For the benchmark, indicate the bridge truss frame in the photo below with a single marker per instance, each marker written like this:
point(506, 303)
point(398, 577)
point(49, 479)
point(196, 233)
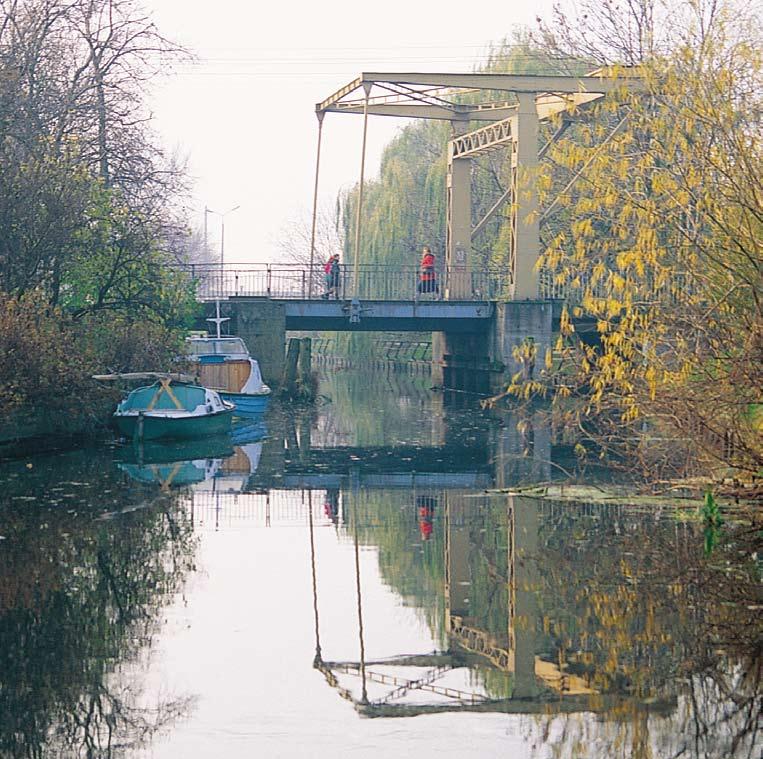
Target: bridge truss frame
point(515, 105)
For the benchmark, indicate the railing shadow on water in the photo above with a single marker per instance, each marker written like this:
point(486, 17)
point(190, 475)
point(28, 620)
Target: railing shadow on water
point(367, 282)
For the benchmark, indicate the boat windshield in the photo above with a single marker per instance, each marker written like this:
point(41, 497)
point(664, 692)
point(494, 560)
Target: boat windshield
point(232, 346)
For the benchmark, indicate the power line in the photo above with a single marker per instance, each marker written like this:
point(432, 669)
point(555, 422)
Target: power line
point(386, 48)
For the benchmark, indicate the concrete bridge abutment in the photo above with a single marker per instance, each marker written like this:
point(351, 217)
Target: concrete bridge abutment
point(515, 342)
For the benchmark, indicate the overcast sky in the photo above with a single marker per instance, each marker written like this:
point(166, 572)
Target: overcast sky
point(244, 113)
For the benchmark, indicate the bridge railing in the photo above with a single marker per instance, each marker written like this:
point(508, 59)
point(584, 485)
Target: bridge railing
point(374, 282)
point(384, 282)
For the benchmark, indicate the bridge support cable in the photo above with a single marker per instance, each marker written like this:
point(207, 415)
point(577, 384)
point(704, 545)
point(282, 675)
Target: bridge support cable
point(318, 653)
point(482, 223)
point(364, 696)
point(320, 116)
point(358, 214)
point(579, 173)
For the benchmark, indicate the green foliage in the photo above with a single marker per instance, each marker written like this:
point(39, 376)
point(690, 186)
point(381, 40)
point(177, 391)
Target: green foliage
point(88, 205)
point(713, 521)
point(35, 356)
point(404, 208)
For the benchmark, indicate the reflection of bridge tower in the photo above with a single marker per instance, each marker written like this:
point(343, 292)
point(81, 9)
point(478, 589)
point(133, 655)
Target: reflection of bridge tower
point(493, 660)
point(521, 451)
point(514, 649)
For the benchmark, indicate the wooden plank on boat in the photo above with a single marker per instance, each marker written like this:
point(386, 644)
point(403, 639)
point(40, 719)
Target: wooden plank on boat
point(229, 377)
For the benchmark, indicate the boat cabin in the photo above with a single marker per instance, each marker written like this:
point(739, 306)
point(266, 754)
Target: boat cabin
point(225, 365)
point(211, 348)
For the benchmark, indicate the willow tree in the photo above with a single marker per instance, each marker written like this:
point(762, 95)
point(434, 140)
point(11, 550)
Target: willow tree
point(662, 247)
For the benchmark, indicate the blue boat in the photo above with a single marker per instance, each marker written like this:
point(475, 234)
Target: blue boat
point(226, 366)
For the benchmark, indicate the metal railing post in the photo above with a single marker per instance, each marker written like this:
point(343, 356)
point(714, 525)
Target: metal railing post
point(268, 280)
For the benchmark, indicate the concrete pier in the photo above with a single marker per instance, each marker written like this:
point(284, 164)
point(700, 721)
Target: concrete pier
point(459, 359)
point(261, 323)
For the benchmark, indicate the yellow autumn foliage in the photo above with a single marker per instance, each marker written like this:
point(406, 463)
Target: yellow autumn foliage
point(662, 245)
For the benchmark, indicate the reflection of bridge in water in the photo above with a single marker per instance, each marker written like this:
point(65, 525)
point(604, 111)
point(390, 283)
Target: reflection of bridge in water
point(502, 658)
point(500, 457)
point(509, 670)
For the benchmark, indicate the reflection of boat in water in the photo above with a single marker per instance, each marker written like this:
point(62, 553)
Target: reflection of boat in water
point(249, 431)
point(167, 451)
point(177, 462)
point(178, 473)
point(207, 463)
point(233, 474)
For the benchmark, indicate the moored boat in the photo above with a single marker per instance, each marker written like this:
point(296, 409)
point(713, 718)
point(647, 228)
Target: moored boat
point(170, 409)
point(225, 365)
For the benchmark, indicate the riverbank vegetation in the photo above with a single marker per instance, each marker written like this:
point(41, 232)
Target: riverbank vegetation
point(661, 243)
point(651, 221)
point(91, 228)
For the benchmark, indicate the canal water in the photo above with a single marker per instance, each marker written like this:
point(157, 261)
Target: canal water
point(366, 578)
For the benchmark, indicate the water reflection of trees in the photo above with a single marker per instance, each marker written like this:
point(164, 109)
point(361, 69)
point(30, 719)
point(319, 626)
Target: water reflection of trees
point(85, 567)
point(666, 641)
point(381, 411)
point(648, 614)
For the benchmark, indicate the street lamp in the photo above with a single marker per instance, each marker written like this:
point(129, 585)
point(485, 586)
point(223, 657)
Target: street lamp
point(222, 215)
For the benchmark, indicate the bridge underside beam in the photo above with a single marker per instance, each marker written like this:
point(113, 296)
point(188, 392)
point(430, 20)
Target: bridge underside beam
point(389, 316)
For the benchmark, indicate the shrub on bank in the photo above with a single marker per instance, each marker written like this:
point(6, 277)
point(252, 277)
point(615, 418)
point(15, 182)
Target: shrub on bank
point(47, 359)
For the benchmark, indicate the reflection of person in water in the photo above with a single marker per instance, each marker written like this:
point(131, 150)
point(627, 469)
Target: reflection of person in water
point(426, 505)
point(331, 505)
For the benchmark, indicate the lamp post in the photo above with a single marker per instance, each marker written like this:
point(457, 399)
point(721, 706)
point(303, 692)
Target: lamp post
point(222, 215)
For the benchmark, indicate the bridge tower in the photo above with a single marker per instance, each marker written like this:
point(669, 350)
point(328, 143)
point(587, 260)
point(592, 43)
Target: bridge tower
point(513, 116)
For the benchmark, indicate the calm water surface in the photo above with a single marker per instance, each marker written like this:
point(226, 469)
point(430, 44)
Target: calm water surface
point(338, 582)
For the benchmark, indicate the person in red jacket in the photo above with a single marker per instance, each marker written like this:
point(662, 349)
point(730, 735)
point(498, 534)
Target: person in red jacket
point(427, 277)
point(331, 273)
